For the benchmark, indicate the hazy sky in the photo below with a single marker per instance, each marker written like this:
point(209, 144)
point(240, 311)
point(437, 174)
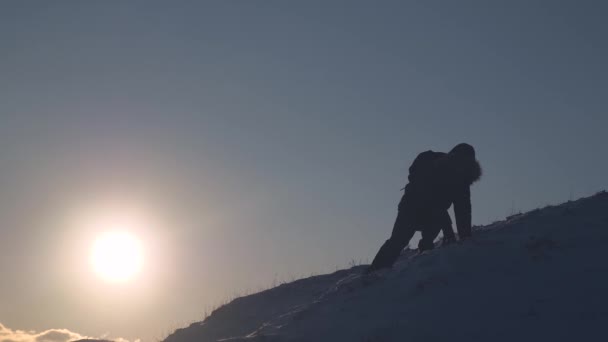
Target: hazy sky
point(268, 140)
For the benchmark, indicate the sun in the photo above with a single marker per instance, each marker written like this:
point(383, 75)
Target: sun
point(116, 256)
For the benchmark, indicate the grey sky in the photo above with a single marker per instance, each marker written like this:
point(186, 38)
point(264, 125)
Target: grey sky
point(271, 137)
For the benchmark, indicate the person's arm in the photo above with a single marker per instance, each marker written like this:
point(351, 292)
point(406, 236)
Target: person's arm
point(462, 211)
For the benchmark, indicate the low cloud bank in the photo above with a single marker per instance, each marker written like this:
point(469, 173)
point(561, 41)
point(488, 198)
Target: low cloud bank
point(51, 335)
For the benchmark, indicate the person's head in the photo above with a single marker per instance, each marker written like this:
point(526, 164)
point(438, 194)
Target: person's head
point(463, 151)
point(463, 159)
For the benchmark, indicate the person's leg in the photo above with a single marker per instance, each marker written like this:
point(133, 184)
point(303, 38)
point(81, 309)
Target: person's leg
point(429, 233)
point(436, 222)
point(403, 230)
point(448, 230)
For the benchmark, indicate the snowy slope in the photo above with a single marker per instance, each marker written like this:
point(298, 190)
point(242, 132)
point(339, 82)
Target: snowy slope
point(540, 276)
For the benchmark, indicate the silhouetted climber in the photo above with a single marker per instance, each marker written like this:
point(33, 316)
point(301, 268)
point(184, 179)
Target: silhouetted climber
point(436, 181)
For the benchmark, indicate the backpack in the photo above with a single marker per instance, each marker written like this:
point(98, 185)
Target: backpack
point(423, 167)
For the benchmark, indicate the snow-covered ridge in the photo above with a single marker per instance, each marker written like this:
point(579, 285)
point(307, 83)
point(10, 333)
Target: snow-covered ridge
point(538, 276)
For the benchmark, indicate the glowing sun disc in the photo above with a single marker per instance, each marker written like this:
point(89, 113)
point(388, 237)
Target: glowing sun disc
point(116, 256)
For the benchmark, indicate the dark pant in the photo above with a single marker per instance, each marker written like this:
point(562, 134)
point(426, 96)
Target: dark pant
point(411, 218)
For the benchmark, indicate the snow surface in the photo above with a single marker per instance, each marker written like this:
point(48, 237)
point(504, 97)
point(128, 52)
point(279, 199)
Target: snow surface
point(538, 276)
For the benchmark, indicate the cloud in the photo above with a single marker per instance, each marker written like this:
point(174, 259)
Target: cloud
point(51, 335)
point(55, 335)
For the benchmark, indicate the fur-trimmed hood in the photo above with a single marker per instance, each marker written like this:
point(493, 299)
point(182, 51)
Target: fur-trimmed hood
point(474, 172)
point(466, 165)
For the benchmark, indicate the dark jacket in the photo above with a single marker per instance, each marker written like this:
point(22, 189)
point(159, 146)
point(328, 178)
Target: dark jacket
point(437, 180)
